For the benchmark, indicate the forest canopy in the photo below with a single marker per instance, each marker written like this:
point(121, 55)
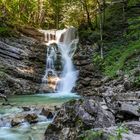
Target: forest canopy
point(50, 13)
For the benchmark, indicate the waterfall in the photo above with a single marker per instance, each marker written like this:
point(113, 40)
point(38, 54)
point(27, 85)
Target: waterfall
point(67, 49)
point(64, 42)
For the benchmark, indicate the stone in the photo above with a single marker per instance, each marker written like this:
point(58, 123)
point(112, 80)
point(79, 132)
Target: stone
point(96, 83)
point(31, 118)
point(16, 121)
point(26, 108)
point(76, 116)
point(47, 112)
point(134, 126)
point(127, 112)
point(127, 85)
point(133, 109)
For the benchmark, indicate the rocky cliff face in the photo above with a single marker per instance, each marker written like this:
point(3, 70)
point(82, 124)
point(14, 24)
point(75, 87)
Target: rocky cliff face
point(22, 64)
point(89, 75)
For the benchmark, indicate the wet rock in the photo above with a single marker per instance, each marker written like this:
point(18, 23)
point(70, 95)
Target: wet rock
point(16, 122)
point(31, 118)
point(1, 122)
point(26, 108)
point(6, 104)
point(46, 89)
point(47, 112)
point(76, 116)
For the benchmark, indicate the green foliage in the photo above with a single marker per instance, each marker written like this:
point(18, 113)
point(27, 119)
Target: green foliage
point(99, 135)
point(98, 61)
point(133, 31)
point(136, 82)
point(73, 14)
point(46, 13)
point(115, 58)
point(91, 135)
point(120, 130)
point(133, 2)
point(6, 32)
point(123, 56)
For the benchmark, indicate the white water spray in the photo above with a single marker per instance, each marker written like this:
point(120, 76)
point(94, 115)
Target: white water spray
point(67, 49)
point(66, 41)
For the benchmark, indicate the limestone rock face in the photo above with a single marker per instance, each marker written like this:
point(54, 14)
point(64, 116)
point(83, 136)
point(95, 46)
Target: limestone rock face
point(77, 116)
point(89, 76)
point(22, 64)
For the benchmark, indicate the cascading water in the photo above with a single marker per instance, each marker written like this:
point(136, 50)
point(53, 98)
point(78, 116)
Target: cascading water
point(50, 69)
point(67, 49)
point(64, 42)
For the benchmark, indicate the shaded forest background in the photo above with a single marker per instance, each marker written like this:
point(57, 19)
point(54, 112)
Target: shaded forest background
point(51, 13)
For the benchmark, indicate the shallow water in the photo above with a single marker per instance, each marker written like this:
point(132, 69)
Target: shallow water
point(51, 99)
point(34, 132)
point(26, 131)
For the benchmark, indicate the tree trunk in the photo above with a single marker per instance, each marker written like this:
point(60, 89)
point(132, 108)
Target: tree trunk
point(101, 34)
point(101, 13)
point(84, 3)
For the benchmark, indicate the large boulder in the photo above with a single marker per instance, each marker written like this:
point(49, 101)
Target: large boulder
point(77, 116)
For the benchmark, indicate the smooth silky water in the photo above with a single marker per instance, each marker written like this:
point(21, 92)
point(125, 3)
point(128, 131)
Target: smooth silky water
point(26, 131)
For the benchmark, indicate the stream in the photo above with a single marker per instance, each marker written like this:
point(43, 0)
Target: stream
point(27, 116)
point(28, 131)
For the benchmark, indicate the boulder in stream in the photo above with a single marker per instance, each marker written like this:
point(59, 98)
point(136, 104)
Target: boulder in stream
point(47, 112)
point(76, 116)
point(31, 118)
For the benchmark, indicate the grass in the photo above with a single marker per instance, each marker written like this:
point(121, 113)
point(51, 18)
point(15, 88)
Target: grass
point(116, 58)
point(124, 56)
